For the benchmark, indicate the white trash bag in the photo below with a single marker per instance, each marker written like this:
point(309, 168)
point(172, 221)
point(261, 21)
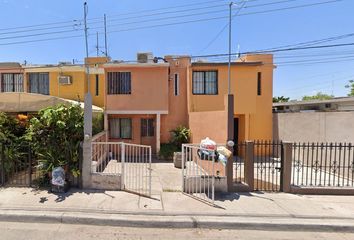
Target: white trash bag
point(58, 177)
point(209, 144)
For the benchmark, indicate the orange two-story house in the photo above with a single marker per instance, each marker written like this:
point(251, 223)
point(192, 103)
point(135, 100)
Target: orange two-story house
point(147, 99)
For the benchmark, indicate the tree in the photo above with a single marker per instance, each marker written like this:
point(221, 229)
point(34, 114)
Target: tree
point(280, 99)
point(351, 86)
point(318, 96)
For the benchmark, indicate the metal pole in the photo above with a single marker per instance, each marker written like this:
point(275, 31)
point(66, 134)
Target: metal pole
point(86, 42)
point(150, 169)
point(105, 35)
point(123, 166)
point(229, 67)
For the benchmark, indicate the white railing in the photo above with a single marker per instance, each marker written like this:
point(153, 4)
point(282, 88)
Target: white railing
point(131, 161)
point(100, 137)
point(198, 172)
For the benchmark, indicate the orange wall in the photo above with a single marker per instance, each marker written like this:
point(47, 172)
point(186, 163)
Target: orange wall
point(149, 89)
point(208, 124)
point(177, 105)
point(255, 111)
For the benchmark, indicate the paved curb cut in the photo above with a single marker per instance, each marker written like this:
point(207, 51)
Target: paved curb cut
point(148, 221)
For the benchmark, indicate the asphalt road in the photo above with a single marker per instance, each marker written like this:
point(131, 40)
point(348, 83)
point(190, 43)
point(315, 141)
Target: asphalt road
point(39, 231)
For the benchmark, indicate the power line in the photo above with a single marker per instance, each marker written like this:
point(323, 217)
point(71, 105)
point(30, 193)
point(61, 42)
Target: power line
point(40, 40)
point(309, 43)
point(202, 8)
point(223, 17)
point(79, 23)
point(121, 14)
point(177, 23)
point(223, 29)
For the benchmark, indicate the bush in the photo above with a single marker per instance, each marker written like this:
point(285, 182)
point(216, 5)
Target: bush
point(55, 135)
point(11, 128)
point(167, 150)
point(180, 135)
point(97, 124)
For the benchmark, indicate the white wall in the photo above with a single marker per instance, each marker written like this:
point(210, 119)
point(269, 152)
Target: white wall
point(314, 126)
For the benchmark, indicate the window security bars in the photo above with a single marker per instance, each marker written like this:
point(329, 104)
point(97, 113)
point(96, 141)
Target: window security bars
point(12, 82)
point(119, 83)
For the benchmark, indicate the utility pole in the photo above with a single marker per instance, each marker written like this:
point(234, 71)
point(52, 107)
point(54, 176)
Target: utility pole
point(105, 36)
point(86, 43)
point(230, 114)
point(86, 147)
point(88, 97)
point(230, 28)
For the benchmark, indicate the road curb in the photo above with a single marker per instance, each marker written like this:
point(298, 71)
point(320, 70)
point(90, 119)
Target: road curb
point(180, 221)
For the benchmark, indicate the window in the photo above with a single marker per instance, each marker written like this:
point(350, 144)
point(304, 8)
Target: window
point(259, 84)
point(120, 128)
point(39, 83)
point(97, 84)
point(119, 83)
point(12, 82)
point(176, 84)
point(147, 127)
point(205, 82)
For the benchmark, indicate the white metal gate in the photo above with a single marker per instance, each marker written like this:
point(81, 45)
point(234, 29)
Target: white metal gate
point(131, 162)
point(198, 172)
point(136, 168)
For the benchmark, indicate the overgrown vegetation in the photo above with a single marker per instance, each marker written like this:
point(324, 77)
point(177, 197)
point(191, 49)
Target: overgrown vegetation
point(55, 135)
point(12, 131)
point(12, 128)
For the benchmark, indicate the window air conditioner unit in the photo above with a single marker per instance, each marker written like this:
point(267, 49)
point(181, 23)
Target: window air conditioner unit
point(65, 80)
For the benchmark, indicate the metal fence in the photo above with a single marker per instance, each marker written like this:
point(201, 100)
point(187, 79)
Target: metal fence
point(20, 167)
point(264, 159)
point(239, 162)
point(131, 161)
point(267, 159)
point(16, 165)
point(200, 169)
point(323, 165)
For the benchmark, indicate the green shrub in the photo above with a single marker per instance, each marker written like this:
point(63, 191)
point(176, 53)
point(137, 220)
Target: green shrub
point(11, 128)
point(97, 124)
point(180, 135)
point(167, 150)
point(55, 135)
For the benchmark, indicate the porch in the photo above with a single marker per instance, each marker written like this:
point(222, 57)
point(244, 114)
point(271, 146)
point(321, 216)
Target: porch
point(135, 127)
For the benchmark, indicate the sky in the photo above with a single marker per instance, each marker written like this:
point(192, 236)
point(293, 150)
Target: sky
point(172, 27)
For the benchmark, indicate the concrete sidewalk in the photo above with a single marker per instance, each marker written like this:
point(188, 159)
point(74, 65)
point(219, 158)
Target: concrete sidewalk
point(176, 210)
